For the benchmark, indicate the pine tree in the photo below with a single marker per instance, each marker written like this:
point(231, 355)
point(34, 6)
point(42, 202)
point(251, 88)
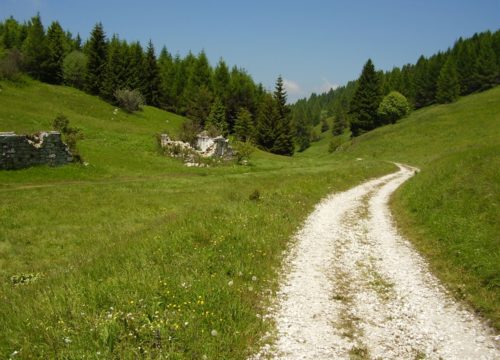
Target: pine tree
point(266, 123)
point(448, 85)
point(422, 83)
point(151, 89)
point(56, 53)
point(135, 69)
point(217, 118)
point(114, 71)
point(200, 103)
point(35, 50)
point(303, 129)
point(167, 78)
point(465, 63)
point(365, 102)
point(283, 144)
point(485, 70)
point(243, 127)
point(339, 122)
point(96, 60)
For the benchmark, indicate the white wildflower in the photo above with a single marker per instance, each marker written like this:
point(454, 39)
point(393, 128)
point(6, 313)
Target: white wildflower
point(214, 332)
point(230, 283)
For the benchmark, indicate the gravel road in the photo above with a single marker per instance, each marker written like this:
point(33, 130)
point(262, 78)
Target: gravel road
point(353, 288)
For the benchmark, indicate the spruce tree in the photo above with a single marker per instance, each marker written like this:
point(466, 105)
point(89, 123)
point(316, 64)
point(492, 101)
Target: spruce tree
point(221, 81)
point(266, 123)
point(448, 85)
point(243, 127)
point(365, 102)
point(303, 129)
point(423, 83)
point(485, 69)
point(167, 79)
point(35, 50)
point(151, 89)
point(135, 70)
point(96, 51)
point(283, 144)
point(56, 52)
point(217, 118)
point(339, 122)
point(114, 71)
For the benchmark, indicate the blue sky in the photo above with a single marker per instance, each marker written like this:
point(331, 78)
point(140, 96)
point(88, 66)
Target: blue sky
point(313, 44)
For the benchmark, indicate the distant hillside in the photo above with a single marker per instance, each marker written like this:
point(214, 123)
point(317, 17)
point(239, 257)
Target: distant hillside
point(111, 135)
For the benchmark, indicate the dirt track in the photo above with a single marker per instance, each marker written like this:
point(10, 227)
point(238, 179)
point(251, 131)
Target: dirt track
point(353, 288)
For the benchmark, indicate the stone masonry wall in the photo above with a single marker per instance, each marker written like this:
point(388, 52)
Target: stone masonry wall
point(22, 151)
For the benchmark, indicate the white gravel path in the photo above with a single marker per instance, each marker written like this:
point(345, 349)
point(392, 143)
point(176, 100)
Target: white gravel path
point(355, 289)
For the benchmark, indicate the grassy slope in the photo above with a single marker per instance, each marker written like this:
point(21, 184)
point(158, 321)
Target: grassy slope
point(451, 208)
point(135, 251)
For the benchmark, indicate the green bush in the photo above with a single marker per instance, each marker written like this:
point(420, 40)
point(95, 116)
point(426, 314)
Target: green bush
point(74, 69)
point(71, 135)
point(10, 64)
point(334, 144)
point(243, 150)
point(393, 107)
point(129, 100)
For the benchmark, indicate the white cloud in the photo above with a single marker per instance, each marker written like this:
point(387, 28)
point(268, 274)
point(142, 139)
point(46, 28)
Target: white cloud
point(326, 86)
point(291, 87)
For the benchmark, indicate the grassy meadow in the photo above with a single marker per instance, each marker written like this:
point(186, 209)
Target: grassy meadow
point(136, 255)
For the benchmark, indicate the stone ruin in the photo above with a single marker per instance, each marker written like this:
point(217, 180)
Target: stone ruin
point(206, 146)
point(22, 151)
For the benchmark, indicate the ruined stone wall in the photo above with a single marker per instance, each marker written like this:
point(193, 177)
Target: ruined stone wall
point(22, 151)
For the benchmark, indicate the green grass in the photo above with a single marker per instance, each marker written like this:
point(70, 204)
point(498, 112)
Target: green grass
point(133, 254)
point(451, 208)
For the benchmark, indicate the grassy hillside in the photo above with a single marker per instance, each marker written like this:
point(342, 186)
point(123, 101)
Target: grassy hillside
point(451, 208)
point(135, 254)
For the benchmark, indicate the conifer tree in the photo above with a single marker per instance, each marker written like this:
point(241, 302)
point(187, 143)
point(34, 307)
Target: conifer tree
point(339, 122)
point(266, 123)
point(448, 86)
point(35, 50)
point(135, 69)
point(465, 63)
point(151, 89)
point(56, 53)
point(167, 78)
point(217, 118)
point(283, 144)
point(365, 102)
point(96, 60)
point(303, 129)
point(243, 127)
point(423, 83)
point(222, 82)
point(485, 69)
point(114, 73)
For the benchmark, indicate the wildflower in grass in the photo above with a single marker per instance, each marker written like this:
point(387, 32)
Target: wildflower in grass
point(14, 353)
point(254, 278)
point(67, 340)
point(214, 332)
point(230, 283)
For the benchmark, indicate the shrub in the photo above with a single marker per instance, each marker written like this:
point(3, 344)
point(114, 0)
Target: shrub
point(10, 64)
point(129, 100)
point(189, 131)
point(393, 107)
point(71, 135)
point(243, 150)
point(334, 144)
point(255, 195)
point(74, 69)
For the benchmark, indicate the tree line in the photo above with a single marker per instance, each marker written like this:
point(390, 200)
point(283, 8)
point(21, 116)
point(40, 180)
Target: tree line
point(218, 99)
point(377, 98)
